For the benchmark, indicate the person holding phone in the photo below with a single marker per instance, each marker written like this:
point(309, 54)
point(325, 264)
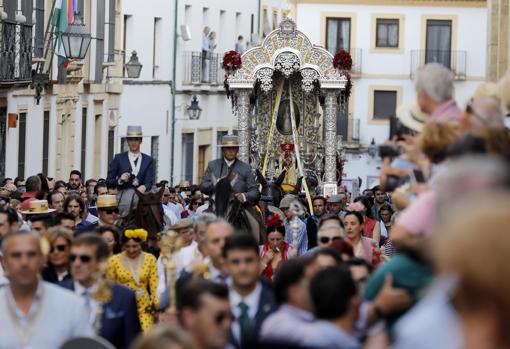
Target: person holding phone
point(275, 251)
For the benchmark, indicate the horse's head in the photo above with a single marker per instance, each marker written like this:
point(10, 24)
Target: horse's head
point(271, 189)
point(149, 211)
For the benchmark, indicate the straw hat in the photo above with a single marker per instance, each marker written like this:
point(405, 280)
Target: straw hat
point(38, 207)
point(286, 201)
point(134, 132)
point(335, 199)
point(411, 116)
point(106, 201)
point(229, 141)
point(183, 224)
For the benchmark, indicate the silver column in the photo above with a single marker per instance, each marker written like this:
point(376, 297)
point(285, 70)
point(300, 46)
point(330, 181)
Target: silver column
point(330, 111)
point(243, 117)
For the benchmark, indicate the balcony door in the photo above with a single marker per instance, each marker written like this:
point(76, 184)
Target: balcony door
point(439, 42)
point(338, 34)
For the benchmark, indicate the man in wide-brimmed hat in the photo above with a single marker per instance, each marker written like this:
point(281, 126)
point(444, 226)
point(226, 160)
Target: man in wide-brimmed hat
point(107, 209)
point(229, 166)
point(132, 169)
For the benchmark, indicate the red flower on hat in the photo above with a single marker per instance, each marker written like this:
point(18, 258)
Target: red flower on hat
point(274, 221)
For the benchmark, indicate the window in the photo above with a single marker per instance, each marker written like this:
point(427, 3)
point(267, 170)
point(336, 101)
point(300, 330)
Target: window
point(111, 30)
point(127, 27)
point(22, 137)
point(46, 142)
point(187, 156)
point(155, 154)
point(387, 33)
point(100, 23)
point(385, 104)
point(439, 42)
point(111, 143)
point(338, 34)
point(219, 136)
point(202, 151)
point(275, 18)
point(205, 16)
point(83, 140)
point(3, 133)
point(266, 26)
point(252, 23)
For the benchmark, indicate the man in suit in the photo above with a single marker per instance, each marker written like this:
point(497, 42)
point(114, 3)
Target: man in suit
point(251, 300)
point(239, 173)
point(117, 316)
point(132, 169)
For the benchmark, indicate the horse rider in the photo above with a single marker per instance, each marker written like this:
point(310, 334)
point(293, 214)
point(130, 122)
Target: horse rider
point(132, 169)
point(241, 177)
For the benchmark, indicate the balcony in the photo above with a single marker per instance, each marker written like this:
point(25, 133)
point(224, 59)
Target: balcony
point(357, 58)
point(454, 60)
point(348, 128)
point(15, 53)
point(202, 69)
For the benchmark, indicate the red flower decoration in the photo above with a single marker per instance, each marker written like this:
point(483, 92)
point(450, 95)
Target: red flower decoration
point(342, 60)
point(232, 60)
point(348, 85)
point(274, 221)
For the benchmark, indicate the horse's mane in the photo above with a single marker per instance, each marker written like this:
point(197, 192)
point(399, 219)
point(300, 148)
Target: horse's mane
point(223, 194)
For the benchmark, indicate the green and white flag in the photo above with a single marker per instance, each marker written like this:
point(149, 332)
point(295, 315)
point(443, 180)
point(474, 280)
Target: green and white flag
point(60, 22)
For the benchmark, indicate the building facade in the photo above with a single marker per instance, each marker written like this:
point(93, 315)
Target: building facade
point(388, 41)
point(74, 125)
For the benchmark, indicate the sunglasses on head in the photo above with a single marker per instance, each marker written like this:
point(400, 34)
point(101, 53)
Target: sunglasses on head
point(185, 189)
point(83, 258)
point(327, 239)
point(111, 210)
point(59, 248)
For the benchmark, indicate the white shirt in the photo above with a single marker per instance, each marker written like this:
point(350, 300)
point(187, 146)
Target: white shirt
point(203, 208)
point(229, 162)
point(3, 279)
point(91, 218)
point(132, 158)
point(252, 301)
point(169, 213)
point(79, 289)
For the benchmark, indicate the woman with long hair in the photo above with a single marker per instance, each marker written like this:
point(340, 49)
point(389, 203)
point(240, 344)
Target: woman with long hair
point(371, 227)
point(137, 270)
point(364, 247)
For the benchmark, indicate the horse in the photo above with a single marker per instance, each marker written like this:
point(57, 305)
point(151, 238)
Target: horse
point(142, 210)
point(241, 215)
point(272, 191)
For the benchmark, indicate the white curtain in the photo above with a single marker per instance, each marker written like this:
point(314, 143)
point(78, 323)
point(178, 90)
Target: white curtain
point(346, 38)
point(439, 42)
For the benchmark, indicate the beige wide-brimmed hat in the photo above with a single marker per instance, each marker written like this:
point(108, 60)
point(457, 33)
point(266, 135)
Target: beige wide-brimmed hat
point(183, 224)
point(229, 141)
point(106, 201)
point(38, 207)
point(134, 132)
point(411, 116)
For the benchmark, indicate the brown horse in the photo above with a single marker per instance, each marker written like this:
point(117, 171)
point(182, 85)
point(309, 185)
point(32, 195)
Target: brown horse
point(149, 213)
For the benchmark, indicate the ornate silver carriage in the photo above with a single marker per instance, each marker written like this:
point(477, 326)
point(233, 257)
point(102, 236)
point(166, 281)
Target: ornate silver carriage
point(286, 96)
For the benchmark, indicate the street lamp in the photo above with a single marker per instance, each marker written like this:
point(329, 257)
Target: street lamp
point(372, 149)
point(194, 110)
point(133, 66)
point(76, 39)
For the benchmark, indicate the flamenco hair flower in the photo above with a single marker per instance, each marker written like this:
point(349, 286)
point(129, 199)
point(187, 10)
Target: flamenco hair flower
point(356, 206)
point(274, 221)
point(141, 234)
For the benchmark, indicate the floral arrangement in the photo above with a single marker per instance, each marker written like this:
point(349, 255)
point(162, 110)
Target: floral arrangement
point(231, 62)
point(136, 234)
point(356, 207)
point(342, 60)
point(274, 221)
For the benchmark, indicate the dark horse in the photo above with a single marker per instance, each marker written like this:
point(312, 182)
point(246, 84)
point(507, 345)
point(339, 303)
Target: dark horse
point(142, 210)
point(271, 190)
point(241, 215)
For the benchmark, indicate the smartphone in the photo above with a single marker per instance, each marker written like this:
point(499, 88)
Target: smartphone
point(418, 176)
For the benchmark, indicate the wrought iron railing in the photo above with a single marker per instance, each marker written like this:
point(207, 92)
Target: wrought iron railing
point(357, 60)
point(15, 52)
point(348, 128)
point(202, 68)
point(452, 59)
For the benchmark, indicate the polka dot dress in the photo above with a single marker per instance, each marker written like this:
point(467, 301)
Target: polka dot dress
point(145, 290)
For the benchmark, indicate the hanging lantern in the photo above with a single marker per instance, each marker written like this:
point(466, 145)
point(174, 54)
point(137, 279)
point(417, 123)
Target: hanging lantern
point(76, 39)
point(133, 66)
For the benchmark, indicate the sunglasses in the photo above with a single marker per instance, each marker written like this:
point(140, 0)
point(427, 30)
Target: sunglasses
point(112, 211)
point(58, 248)
point(327, 239)
point(83, 258)
point(185, 189)
point(222, 316)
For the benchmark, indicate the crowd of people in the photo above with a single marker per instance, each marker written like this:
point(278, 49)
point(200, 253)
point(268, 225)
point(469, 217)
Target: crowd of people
point(417, 261)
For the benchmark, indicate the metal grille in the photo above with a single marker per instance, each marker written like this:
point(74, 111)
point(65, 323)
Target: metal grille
point(46, 141)
point(202, 68)
point(452, 59)
point(22, 135)
point(15, 52)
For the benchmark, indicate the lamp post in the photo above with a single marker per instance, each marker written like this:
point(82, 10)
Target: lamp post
point(133, 66)
point(194, 109)
point(76, 39)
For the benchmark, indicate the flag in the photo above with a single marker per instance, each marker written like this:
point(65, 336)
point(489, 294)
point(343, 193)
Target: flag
point(60, 21)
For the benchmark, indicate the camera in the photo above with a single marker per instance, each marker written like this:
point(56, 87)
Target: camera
point(390, 150)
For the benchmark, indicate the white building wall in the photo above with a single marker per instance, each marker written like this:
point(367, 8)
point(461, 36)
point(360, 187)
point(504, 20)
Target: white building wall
point(394, 69)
